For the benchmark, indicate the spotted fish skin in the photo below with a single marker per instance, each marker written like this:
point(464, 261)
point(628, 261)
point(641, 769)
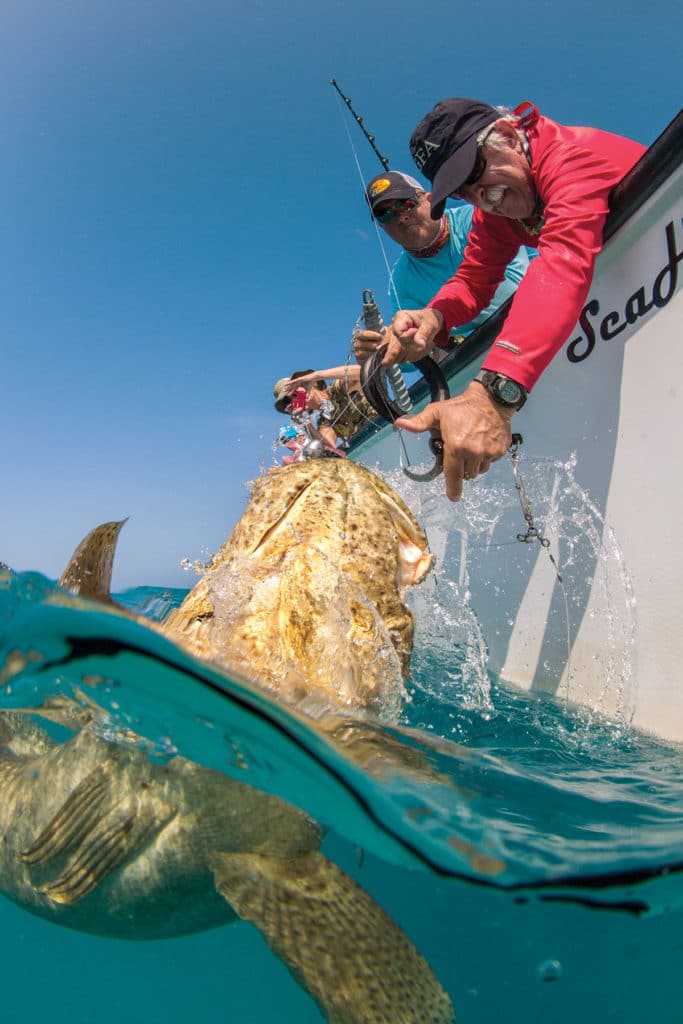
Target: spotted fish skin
point(307, 595)
point(89, 570)
point(98, 838)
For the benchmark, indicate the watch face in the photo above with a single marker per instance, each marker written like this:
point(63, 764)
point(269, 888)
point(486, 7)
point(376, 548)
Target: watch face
point(509, 391)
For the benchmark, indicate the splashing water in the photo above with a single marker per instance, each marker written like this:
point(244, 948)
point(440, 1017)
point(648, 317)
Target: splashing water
point(524, 841)
point(473, 537)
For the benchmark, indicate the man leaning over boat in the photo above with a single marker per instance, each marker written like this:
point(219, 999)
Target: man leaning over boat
point(534, 182)
point(432, 252)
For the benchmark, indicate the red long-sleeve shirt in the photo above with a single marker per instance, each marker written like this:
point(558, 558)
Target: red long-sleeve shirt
point(574, 170)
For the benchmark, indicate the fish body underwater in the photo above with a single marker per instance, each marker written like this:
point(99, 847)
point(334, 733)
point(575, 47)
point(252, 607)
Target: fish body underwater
point(99, 838)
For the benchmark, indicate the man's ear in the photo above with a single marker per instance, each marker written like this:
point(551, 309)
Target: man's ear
point(503, 127)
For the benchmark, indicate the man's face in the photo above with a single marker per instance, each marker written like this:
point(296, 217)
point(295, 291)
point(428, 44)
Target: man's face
point(412, 227)
point(506, 186)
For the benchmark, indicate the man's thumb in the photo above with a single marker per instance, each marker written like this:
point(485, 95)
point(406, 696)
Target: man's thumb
point(425, 335)
point(415, 424)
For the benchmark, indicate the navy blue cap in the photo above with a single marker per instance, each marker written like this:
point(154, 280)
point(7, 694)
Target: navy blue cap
point(444, 145)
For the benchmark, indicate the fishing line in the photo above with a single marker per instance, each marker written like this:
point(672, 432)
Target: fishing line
point(354, 153)
point(404, 458)
point(351, 403)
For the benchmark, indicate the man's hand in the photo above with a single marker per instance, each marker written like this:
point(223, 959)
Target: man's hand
point(475, 432)
point(365, 343)
point(414, 331)
point(408, 339)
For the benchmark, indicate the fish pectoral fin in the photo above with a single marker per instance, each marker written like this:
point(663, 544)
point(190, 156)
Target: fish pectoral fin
point(110, 843)
point(74, 819)
point(95, 831)
point(338, 943)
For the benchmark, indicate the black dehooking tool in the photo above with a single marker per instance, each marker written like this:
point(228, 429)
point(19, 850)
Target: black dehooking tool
point(373, 382)
point(373, 379)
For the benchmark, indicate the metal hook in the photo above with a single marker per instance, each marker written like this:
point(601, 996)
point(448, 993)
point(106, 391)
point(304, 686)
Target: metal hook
point(436, 445)
point(374, 389)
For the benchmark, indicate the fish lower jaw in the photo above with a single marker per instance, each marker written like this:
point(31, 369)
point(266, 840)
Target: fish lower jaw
point(414, 564)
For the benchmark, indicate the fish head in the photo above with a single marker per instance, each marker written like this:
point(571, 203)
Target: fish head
point(307, 595)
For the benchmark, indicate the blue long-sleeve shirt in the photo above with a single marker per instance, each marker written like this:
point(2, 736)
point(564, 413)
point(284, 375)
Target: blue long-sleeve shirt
point(414, 281)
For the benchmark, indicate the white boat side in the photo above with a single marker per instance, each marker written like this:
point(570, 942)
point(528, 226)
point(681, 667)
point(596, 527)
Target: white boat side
point(601, 462)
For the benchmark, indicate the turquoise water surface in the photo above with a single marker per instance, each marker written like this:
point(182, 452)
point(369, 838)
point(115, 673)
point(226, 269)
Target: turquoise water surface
point(531, 852)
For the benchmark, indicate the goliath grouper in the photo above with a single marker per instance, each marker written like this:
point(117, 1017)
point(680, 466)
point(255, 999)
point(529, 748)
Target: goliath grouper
point(99, 838)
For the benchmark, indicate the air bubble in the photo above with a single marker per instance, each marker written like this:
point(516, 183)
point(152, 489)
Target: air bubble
point(549, 970)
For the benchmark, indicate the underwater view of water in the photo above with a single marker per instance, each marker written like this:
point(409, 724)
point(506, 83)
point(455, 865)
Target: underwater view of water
point(531, 852)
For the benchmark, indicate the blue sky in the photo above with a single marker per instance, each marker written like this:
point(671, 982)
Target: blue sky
point(182, 222)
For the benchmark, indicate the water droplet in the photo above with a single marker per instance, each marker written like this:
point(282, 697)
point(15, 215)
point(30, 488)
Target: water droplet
point(549, 970)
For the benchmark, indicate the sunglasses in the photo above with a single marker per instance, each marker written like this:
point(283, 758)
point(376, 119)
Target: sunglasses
point(478, 169)
point(396, 208)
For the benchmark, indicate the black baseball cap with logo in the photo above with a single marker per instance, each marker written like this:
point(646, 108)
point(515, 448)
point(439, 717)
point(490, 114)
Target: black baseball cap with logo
point(391, 185)
point(444, 145)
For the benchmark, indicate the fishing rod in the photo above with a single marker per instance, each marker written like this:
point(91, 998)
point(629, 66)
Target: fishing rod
point(359, 120)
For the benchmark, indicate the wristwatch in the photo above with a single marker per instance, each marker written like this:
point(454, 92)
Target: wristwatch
point(503, 390)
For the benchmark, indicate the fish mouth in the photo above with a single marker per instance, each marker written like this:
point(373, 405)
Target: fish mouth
point(415, 560)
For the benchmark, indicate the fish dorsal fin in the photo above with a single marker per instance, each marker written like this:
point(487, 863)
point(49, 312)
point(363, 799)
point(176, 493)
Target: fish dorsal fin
point(339, 944)
point(88, 573)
